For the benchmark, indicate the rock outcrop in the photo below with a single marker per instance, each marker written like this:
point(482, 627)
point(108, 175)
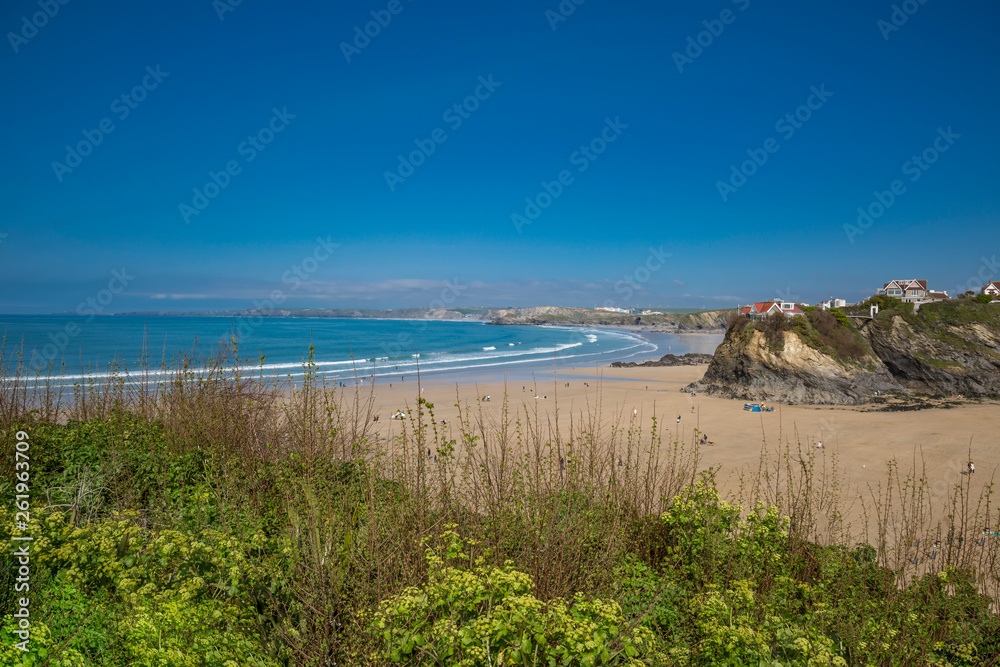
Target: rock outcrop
point(689, 359)
point(959, 359)
point(943, 349)
point(745, 367)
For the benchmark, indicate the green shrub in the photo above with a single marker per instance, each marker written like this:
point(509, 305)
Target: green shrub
point(883, 303)
point(162, 598)
point(737, 322)
point(42, 649)
point(737, 627)
point(711, 542)
point(470, 614)
point(645, 594)
point(774, 328)
point(833, 333)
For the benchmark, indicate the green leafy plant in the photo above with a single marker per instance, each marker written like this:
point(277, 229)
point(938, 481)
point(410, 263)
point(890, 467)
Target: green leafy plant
point(471, 613)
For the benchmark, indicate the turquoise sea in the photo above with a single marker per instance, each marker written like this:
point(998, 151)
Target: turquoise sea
point(346, 350)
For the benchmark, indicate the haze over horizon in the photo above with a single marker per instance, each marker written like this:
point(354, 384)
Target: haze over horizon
point(203, 155)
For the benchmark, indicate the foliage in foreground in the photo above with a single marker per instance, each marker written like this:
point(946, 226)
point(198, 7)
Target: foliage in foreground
point(475, 614)
point(165, 542)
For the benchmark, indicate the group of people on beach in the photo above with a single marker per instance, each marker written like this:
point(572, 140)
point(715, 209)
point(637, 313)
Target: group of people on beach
point(952, 540)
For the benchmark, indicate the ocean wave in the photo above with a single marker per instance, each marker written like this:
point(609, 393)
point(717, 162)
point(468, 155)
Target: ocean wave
point(574, 348)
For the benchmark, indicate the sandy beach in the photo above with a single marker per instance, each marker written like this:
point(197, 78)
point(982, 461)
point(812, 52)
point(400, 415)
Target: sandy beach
point(862, 441)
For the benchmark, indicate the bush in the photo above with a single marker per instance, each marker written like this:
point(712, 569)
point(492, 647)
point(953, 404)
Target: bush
point(838, 334)
point(883, 303)
point(472, 614)
point(737, 322)
point(709, 538)
point(143, 597)
point(774, 329)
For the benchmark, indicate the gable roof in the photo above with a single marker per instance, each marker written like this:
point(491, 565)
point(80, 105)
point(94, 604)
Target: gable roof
point(761, 307)
point(906, 284)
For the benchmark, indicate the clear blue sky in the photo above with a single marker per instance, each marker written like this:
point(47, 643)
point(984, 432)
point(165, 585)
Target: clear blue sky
point(888, 92)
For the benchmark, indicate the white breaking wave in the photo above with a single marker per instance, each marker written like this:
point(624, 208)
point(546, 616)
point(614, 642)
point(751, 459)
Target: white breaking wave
point(623, 345)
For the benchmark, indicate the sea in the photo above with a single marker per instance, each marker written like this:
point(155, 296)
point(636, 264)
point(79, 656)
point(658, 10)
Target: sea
point(342, 351)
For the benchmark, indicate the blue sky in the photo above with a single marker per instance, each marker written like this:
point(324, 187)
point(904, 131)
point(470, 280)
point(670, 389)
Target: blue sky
point(643, 220)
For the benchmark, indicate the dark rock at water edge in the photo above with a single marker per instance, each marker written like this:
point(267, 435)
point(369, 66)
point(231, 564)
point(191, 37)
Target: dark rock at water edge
point(689, 359)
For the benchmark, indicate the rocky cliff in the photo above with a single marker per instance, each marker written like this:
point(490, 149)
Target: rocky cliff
point(944, 348)
point(746, 367)
point(943, 359)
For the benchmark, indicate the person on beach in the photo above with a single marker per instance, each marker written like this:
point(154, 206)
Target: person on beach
point(819, 445)
point(972, 467)
point(678, 419)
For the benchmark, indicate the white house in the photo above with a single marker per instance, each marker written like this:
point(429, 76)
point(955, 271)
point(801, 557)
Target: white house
point(909, 291)
point(832, 303)
point(992, 288)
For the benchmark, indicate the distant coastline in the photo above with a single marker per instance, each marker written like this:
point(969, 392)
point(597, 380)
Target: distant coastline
point(679, 321)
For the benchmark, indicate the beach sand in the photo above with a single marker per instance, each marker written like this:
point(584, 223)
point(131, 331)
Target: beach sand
point(863, 441)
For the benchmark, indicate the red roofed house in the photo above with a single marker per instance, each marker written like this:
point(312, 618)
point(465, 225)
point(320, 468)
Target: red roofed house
point(992, 288)
point(763, 308)
point(909, 291)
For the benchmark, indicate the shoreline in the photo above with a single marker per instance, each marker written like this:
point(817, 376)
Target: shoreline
point(646, 345)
